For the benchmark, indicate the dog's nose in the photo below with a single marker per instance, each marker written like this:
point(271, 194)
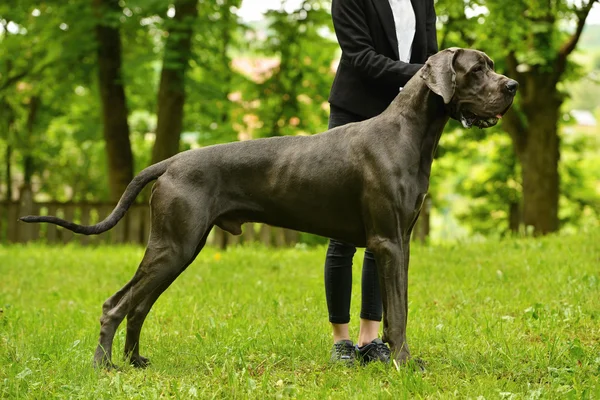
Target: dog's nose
point(512, 86)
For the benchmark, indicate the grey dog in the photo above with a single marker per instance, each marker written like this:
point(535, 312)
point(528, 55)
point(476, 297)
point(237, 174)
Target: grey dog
point(362, 183)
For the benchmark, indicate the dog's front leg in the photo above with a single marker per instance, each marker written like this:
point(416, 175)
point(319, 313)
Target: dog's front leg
point(392, 266)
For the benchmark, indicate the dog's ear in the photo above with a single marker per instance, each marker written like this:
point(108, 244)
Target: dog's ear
point(439, 74)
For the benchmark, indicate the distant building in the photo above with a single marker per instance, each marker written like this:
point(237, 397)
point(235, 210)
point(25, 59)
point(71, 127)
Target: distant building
point(584, 122)
point(584, 117)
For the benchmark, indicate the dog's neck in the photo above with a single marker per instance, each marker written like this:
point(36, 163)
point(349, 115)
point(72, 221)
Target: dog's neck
point(428, 125)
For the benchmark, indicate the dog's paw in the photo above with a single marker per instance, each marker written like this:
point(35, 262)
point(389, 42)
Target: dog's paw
point(417, 364)
point(139, 361)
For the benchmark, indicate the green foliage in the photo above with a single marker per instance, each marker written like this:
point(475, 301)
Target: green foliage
point(294, 97)
point(530, 28)
point(48, 53)
point(498, 319)
point(580, 174)
point(44, 71)
point(477, 179)
point(477, 182)
point(208, 110)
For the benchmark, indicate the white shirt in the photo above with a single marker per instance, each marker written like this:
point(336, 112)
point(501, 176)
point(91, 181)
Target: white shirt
point(404, 19)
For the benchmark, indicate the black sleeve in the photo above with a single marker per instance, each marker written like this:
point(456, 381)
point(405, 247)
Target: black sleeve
point(352, 32)
point(432, 44)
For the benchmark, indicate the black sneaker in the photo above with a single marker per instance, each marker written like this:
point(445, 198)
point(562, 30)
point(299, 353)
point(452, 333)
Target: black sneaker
point(374, 351)
point(343, 352)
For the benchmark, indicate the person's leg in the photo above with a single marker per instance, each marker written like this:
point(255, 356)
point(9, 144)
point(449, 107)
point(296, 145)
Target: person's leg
point(369, 330)
point(371, 306)
point(370, 347)
point(338, 290)
point(338, 287)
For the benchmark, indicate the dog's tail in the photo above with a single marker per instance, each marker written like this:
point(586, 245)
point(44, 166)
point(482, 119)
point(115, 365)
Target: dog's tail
point(133, 189)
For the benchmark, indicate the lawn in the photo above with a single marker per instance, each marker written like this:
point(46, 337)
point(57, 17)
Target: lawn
point(509, 319)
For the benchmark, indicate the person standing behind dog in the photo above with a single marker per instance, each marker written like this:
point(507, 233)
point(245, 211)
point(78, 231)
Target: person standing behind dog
point(384, 43)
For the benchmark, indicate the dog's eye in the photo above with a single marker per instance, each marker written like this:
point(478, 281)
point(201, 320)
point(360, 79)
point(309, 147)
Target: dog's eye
point(477, 69)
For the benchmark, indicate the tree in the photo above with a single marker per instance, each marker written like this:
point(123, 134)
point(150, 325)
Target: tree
point(171, 93)
point(38, 85)
point(112, 93)
point(533, 125)
point(529, 44)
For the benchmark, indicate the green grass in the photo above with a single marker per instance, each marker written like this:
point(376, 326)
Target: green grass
point(514, 319)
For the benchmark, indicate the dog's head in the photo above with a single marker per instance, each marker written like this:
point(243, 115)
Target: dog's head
point(473, 92)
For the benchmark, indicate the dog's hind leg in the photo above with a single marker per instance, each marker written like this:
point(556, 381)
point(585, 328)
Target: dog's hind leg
point(179, 225)
point(137, 316)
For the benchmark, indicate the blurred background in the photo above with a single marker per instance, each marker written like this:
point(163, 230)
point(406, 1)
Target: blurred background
point(93, 91)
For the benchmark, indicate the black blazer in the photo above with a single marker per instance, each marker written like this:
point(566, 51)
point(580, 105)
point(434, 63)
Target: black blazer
point(369, 74)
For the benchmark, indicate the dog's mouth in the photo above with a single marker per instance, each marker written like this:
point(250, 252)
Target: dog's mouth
point(469, 119)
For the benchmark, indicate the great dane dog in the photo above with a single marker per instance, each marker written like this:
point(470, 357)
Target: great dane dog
point(363, 183)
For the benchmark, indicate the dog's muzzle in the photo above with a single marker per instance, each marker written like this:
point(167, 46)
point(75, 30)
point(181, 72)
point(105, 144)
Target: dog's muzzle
point(459, 111)
point(468, 119)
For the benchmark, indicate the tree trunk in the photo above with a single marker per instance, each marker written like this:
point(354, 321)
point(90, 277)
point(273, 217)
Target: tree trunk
point(8, 172)
point(26, 231)
point(171, 93)
point(539, 163)
point(28, 163)
point(514, 217)
point(536, 143)
point(10, 118)
point(422, 227)
point(227, 18)
point(112, 93)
